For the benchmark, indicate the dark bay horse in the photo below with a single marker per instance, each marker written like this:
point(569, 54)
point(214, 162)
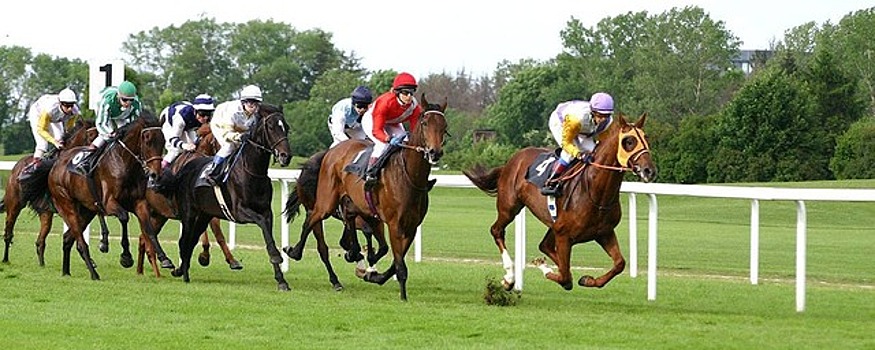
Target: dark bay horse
point(15, 198)
point(119, 180)
point(304, 193)
point(248, 192)
point(164, 208)
point(400, 200)
point(589, 210)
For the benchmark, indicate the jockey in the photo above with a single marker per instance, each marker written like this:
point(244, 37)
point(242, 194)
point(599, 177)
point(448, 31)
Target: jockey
point(117, 107)
point(50, 116)
point(346, 115)
point(574, 124)
point(181, 121)
point(231, 122)
point(382, 121)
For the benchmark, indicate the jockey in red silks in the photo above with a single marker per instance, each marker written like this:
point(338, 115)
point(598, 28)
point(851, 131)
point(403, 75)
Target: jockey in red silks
point(382, 122)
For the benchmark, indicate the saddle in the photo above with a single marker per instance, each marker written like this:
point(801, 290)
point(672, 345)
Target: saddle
point(359, 164)
point(541, 168)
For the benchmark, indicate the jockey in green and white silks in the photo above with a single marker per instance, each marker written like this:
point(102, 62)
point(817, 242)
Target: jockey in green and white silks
point(117, 107)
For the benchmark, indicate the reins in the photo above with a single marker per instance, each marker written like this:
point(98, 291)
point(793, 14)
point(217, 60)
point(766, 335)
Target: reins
point(143, 163)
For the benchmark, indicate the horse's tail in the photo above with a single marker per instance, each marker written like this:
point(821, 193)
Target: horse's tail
point(485, 180)
point(307, 184)
point(35, 189)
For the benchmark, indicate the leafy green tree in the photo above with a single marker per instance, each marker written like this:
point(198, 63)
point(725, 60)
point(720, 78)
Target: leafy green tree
point(855, 151)
point(769, 132)
point(522, 106)
point(685, 158)
point(855, 49)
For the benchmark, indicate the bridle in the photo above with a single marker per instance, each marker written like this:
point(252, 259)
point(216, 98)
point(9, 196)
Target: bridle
point(426, 151)
point(262, 125)
point(143, 163)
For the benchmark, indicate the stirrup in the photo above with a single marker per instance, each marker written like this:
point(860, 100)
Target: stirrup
point(371, 182)
point(551, 189)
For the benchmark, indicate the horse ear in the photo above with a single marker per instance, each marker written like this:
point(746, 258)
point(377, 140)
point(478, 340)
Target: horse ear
point(424, 101)
point(640, 123)
point(621, 119)
point(444, 105)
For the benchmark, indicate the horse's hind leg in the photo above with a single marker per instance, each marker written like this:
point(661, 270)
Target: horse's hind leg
point(297, 251)
point(204, 257)
point(322, 247)
point(610, 245)
point(13, 209)
point(45, 219)
point(505, 217)
point(216, 227)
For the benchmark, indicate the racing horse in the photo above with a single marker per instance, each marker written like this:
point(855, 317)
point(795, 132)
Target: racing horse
point(163, 208)
point(401, 200)
point(15, 198)
point(589, 210)
point(246, 196)
point(119, 182)
point(304, 193)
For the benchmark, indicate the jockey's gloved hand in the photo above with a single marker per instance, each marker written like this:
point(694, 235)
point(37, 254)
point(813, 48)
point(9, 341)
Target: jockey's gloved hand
point(188, 146)
point(397, 140)
point(585, 157)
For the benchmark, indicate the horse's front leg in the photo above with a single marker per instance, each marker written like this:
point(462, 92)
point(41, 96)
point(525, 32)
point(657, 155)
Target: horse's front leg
point(144, 214)
point(322, 248)
point(266, 225)
point(558, 248)
point(610, 245)
point(13, 209)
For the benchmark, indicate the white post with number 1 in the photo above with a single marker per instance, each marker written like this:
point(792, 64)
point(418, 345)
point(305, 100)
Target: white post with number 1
point(102, 74)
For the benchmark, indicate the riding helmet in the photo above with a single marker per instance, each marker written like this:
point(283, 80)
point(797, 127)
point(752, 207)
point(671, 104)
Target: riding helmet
point(362, 94)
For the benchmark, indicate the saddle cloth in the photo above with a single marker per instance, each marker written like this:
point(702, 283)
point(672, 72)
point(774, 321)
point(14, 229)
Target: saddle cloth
point(541, 168)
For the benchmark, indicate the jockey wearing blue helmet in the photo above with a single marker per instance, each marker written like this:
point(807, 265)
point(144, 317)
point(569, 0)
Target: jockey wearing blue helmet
point(344, 122)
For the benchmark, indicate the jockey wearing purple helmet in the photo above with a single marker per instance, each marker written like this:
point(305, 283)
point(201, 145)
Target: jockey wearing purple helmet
point(574, 125)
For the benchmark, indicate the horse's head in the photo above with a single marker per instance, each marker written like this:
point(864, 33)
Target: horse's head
point(144, 141)
point(431, 130)
point(271, 133)
point(207, 143)
point(633, 150)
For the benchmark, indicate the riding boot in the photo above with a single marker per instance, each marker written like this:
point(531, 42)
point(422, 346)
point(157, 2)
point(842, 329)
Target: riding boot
point(552, 187)
point(29, 169)
point(213, 171)
point(372, 174)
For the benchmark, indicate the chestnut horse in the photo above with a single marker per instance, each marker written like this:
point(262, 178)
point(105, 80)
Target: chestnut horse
point(247, 193)
point(119, 180)
point(163, 208)
point(589, 208)
point(15, 199)
point(401, 200)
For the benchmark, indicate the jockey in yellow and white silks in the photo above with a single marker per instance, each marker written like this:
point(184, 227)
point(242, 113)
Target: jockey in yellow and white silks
point(575, 125)
point(231, 121)
point(50, 116)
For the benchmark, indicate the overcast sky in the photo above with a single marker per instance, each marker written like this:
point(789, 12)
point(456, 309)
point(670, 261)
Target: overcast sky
point(414, 36)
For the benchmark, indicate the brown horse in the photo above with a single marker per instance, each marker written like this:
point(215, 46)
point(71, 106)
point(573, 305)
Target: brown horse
point(119, 179)
point(247, 195)
point(588, 210)
point(401, 201)
point(163, 208)
point(304, 193)
point(15, 199)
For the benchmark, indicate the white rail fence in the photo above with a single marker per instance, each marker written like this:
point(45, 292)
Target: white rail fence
point(754, 194)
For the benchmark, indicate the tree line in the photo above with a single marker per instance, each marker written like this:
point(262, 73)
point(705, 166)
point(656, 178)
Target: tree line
point(803, 112)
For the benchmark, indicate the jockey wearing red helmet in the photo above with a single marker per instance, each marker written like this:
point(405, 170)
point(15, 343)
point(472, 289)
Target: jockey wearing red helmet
point(383, 121)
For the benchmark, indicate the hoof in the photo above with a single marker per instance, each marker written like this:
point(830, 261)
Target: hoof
point(235, 265)
point(351, 256)
point(126, 261)
point(203, 260)
point(167, 264)
point(104, 248)
point(176, 273)
point(292, 253)
point(338, 287)
point(586, 281)
point(507, 285)
point(283, 287)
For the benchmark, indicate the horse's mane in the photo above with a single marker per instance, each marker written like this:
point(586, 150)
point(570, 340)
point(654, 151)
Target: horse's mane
point(269, 108)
